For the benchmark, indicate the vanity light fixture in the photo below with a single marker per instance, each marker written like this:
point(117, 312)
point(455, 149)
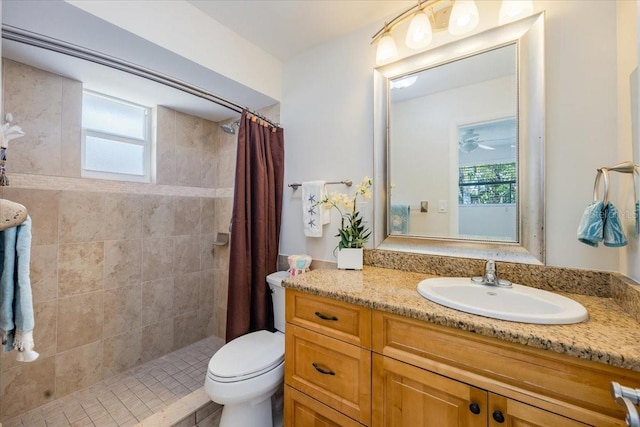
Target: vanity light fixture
point(458, 16)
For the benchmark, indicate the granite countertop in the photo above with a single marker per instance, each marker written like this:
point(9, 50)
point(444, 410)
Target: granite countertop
point(610, 336)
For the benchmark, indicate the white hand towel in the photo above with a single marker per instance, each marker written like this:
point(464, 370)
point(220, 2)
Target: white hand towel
point(313, 216)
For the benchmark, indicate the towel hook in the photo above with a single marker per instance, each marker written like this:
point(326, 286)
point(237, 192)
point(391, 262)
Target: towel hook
point(602, 172)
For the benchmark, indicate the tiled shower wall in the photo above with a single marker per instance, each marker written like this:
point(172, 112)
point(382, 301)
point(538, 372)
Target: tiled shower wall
point(121, 273)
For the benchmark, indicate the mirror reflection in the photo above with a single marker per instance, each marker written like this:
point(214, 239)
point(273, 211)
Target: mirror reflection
point(453, 149)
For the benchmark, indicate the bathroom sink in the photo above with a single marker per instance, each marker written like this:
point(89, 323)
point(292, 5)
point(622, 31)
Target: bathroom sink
point(517, 303)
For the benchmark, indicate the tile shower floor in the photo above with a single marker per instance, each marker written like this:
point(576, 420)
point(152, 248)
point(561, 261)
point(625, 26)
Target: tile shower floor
point(129, 397)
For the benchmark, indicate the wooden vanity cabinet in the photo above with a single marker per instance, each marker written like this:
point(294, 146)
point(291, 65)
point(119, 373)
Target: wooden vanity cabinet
point(347, 365)
point(327, 360)
point(528, 386)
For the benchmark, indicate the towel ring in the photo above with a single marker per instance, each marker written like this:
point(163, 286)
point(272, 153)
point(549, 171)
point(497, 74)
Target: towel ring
point(601, 172)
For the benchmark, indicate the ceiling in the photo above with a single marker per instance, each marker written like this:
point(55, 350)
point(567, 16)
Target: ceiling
point(282, 28)
point(285, 28)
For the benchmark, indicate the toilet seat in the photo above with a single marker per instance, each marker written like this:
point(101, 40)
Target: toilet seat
point(247, 357)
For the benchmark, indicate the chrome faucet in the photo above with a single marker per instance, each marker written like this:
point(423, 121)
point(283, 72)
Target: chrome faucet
point(491, 276)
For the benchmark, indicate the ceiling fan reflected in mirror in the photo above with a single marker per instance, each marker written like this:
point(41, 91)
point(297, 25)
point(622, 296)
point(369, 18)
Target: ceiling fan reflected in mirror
point(470, 141)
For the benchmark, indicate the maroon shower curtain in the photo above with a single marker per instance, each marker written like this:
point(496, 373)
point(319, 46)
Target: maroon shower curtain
point(255, 225)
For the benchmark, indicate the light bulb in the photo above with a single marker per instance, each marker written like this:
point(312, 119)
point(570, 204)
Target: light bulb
point(464, 17)
point(512, 10)
point(420, 33)
point(387, 49)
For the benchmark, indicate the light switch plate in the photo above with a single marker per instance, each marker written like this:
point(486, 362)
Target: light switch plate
point(442, 206)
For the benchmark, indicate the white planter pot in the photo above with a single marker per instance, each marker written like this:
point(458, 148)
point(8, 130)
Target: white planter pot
point(350, 259)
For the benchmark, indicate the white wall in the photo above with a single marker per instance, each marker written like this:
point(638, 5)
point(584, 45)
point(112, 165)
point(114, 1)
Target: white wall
point(328, 118)
point(189, 32)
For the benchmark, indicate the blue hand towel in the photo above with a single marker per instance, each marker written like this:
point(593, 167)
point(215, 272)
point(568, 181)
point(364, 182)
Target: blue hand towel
point(613, 233)
point(400, 218)
point(16, 304)
point(591, 228)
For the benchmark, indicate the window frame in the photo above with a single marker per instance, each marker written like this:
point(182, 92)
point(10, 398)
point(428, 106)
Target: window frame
point(145, 143)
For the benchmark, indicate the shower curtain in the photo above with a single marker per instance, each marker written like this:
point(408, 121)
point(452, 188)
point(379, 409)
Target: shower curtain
point(255, 225)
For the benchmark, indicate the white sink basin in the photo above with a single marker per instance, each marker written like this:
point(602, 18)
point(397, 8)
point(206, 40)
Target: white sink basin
point(518, 303)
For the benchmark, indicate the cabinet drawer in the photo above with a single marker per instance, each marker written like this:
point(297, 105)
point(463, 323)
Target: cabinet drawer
point(344, 321)
point(302, 411)
point(334, 372)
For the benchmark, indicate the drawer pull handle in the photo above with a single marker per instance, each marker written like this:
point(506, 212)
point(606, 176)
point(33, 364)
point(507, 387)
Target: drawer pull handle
point(474, 408)
point(322, 370)
point(325, 317)
point(497, 415)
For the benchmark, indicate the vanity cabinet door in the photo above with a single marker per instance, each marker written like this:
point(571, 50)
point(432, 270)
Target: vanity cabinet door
point(507, 412)
point(302, 411)
point(406, 396)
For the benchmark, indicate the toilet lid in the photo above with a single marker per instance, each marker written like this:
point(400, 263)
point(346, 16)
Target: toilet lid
point(247, 356)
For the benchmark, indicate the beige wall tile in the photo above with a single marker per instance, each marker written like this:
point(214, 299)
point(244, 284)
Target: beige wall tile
point(225, 168)
point(188, 167)
point(44, 272)
point(44, 334)
point(157, 300)
point(207, 290)
point(27, 386)
point(166, 146)
point(187, 254)
point(208, 217)
point(157, 258)
point(121, 352)
point(208, 155)
point(208, 250)
point(80, 320)
point(81, 217)
point(123, 216)
point(189, 131)
point(158, 216)
point(80, 268)
point(122, 310)
point(223, 212)
point(70, 143)
point(187, 220)
point(186, 292)
point(157, 339)
point(46, 325)
point(42, 206)
point(78, 368)
point(187, 329)
point(34, 97)
point(122, 263)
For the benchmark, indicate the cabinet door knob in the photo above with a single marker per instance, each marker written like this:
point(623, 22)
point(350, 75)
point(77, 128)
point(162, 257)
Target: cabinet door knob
point(498, 416)
point(474, 408)
point(325, 317)
point(322, 370)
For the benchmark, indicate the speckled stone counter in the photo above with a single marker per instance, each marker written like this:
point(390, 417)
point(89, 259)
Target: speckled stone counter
point(610, 336)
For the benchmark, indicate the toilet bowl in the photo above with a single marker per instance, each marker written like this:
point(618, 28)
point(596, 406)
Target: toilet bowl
point(245, 373)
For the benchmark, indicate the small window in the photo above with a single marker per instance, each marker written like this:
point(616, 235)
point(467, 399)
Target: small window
point(115, 139)
point(487, 184)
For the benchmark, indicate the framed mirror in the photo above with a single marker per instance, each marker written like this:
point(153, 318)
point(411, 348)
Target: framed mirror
point(459, 147)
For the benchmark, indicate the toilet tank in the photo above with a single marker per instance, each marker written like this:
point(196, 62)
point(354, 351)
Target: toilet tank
point(274, 280)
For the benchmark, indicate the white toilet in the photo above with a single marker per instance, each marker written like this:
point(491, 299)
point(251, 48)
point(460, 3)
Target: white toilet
point(247, 371)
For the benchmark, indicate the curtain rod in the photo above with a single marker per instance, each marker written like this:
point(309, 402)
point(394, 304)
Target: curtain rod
point(19, 35)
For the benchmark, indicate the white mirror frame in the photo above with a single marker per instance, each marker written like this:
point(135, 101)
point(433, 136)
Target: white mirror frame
point(528, 34)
